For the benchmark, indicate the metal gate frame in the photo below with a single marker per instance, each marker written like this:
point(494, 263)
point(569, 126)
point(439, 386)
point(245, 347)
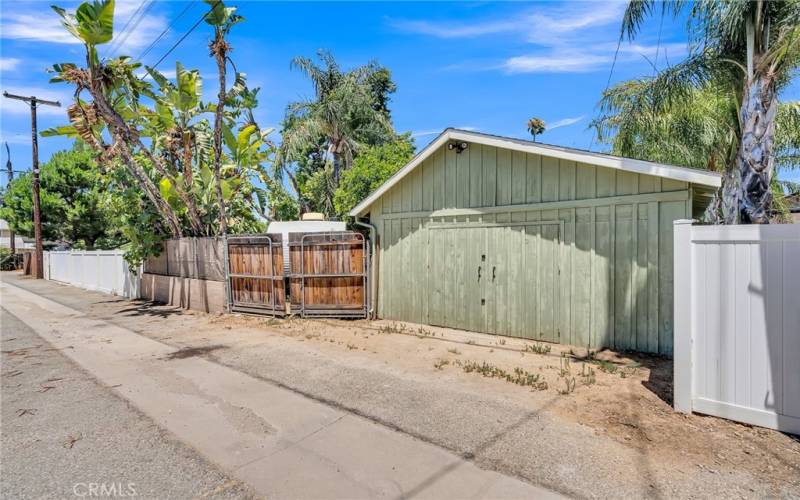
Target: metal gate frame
point(332, 313)
point(249, 307)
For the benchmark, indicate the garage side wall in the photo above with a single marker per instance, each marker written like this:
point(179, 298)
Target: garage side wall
point(614, 277)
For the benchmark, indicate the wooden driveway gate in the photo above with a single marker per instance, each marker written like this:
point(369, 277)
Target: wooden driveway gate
point(255, 275)
point(326, 274)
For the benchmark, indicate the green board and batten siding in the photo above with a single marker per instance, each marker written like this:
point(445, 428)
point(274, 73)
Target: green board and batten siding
point(531, 246)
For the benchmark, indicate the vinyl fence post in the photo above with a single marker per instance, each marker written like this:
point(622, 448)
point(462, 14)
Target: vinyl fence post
point(682, 321)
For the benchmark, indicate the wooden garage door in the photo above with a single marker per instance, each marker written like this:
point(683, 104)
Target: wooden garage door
point(495, 279)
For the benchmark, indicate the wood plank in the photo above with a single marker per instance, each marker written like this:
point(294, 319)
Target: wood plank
point(652, 276)
point(489, 158)
point(451, 180)
point(462, 180)
point(623, 267)
point(668, 211)
point(475, 175)
point(581, 297)
point(550, 174)
point(428, 184)
point(503, 177)
point(439, 180)
point(533, 189)
point(519, 172)
point(566, 180)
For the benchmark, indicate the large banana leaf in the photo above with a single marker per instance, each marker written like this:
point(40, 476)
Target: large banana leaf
point(92, 23)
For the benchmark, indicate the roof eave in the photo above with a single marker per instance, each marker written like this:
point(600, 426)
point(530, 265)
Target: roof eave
point(693, 176)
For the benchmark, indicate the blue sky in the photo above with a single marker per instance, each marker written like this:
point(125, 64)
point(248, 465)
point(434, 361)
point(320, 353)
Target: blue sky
point(486, 66)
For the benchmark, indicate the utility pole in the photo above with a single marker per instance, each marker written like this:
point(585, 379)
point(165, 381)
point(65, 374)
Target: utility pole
point(33, 101)
point(10, 170)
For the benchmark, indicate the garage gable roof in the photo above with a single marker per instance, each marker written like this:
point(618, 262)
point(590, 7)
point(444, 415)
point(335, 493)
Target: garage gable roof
point(694, 176)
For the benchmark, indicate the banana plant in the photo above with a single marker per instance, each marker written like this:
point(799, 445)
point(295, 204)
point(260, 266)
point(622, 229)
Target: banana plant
point(114, 93)
point(172, 125)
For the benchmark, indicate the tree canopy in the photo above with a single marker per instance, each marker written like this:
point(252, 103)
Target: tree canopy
point(77, 207)
point(371, 168)
point(722, 100)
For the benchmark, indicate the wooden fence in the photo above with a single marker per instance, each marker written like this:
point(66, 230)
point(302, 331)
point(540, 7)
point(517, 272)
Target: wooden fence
point(328, 274)
point(255, 273)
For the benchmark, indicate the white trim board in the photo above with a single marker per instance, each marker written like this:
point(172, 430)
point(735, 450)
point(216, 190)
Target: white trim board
point(690, 175)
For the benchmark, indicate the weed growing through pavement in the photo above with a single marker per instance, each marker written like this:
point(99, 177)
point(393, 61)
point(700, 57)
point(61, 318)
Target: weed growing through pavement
point(518, 376)
point(538, 348)
point(587, 374)
point(440, 363)
point(606, 366)
point(569, 386)
point(565, 368)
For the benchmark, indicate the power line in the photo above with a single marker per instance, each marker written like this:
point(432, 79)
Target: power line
point(608, 82)
point(194, 26)
point(124, 33)
point(165, 31)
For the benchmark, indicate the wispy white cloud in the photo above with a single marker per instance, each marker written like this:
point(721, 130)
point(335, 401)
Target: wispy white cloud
point(564, 122)
point(36, 23)
point(556, 62)
point(565, 38)
point(8, 63)
point(437, 131)
point(540, 24)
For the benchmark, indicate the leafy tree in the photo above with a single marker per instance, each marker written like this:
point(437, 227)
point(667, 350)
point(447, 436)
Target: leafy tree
point(371, 168)
point(536, 126)
point(196, 178)
point(349, 111)
point(751, 50)
point(76, 204)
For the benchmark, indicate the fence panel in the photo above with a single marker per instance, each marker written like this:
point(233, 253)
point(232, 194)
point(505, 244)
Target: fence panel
point(328, 274)
point(101, 270)
point(255, 272)
point(737, 323)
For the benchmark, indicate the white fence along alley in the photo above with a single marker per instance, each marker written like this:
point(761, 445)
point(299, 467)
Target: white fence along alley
point(737, 322)
point(101, 270)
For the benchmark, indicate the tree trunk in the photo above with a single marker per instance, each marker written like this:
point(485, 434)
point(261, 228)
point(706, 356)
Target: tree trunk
point(756, 157)
point(219, 49)
point(150, 189)
point(123, 137)
point(300, 201)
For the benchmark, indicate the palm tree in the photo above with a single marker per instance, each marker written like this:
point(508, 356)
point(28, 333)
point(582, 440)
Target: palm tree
point(343, 115)
point(698, 130)
point(536, 126)
point(222, 19)
point(749, 48)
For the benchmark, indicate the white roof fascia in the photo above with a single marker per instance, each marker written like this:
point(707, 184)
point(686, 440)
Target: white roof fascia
point(690, 175)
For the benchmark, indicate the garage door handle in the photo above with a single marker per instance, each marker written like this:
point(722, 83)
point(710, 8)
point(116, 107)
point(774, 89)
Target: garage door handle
point(494, 274)
point(479, 273)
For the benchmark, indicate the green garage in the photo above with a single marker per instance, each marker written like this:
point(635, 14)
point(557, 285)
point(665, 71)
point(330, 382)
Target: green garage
point(516, 238)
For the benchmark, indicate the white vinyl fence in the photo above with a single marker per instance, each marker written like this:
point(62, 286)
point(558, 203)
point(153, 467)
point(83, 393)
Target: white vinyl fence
point(100, 270)
point(737, 323)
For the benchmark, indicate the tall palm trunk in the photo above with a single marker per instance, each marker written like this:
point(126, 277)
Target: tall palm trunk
point(219, 49)
point(756, 156)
